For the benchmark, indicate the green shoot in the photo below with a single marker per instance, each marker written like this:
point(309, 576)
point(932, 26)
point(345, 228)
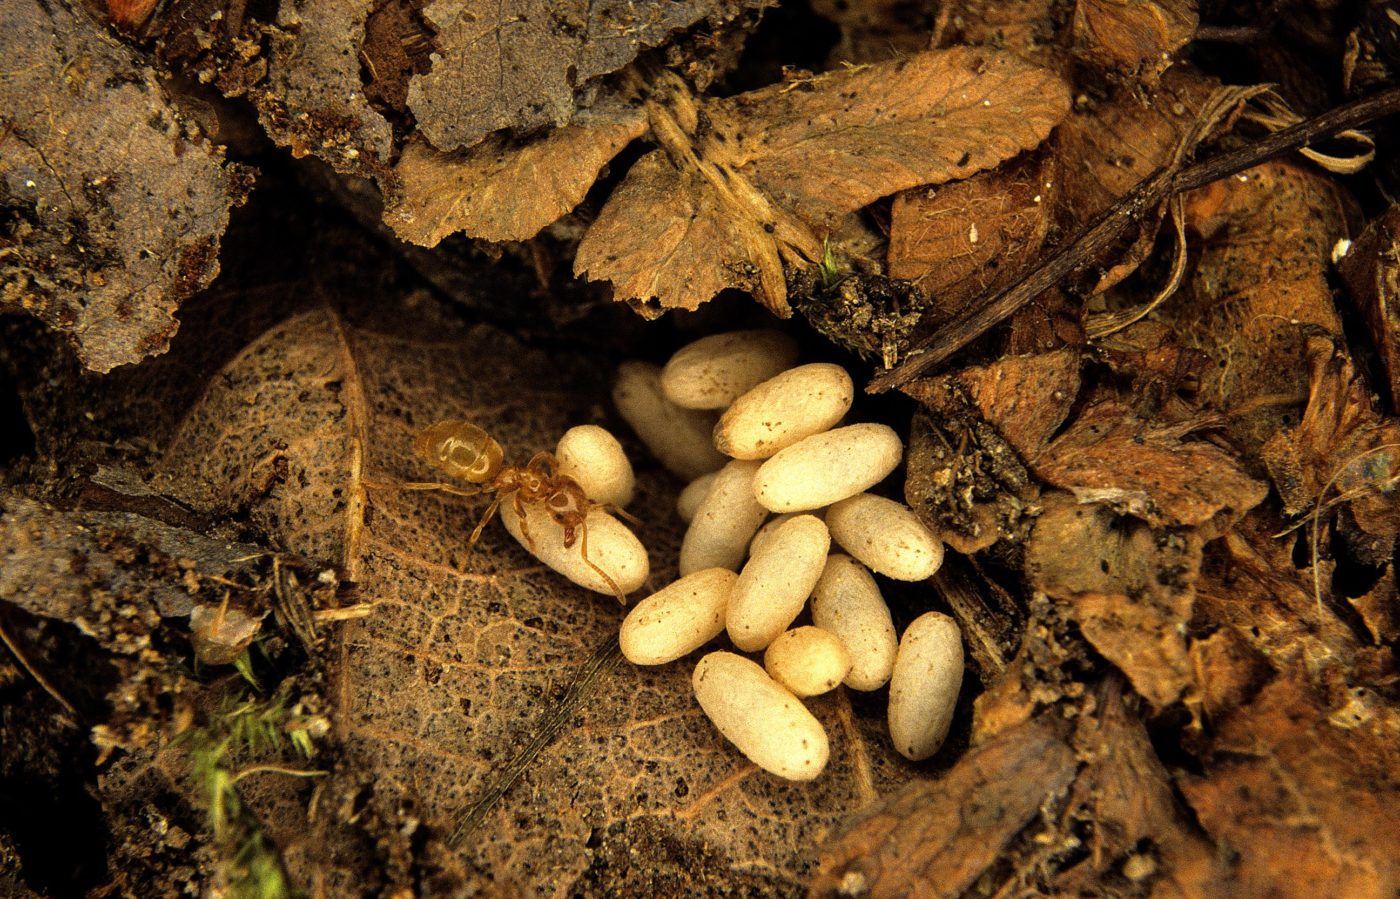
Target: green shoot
point(829, 270)
point(241, 728)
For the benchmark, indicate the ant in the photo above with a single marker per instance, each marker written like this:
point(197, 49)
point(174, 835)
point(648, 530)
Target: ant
point(465, 451)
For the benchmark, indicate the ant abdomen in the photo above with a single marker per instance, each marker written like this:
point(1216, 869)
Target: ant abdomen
point(462, 450)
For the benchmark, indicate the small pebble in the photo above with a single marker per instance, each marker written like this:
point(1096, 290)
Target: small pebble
point(724, 522)
point(776, 581)
point(847, 602)
point(779, 412)
point(928, 672)
point(681, 439)
point(807, 660)
point(592, 457)
point(885, 535)
point(677, 619)
point(827, 468)
point(712, 372)
point(760, 717)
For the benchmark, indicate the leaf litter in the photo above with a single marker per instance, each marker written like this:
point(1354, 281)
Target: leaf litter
point(1179, 588)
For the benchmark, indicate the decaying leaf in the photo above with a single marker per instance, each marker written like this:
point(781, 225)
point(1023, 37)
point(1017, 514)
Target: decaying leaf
point(1118, 143)
point(114, 208)
point(1138, 38)
point(961, 240)
point(314, 99)
point(1341, 452)
point(937, 837)
point(1108, 455)
point(742, 182)
point(1139, 834)
point(1130, 585)
point(1371, 269)
point(519, 65)
point(967, 477)
point(306, 434)
point(1259, 291)
point(500, 190)
point(1299, 805)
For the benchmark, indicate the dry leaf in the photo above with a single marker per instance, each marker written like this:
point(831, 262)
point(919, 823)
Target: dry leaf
point(960, 241)
point(742, 182)
point(1259, 291)
point(847, 138)
point(1299, 806)
point(1109, 455)
point(519, 64)
point(1371, 270)
point(500, 190)
point(938, 836)
point(1137, 37)
point(1340, 452)
point(313, 100)
point(467, 651)
point(1130, 586)
point(967, 477)
point(1123, 799)
point(1117, 143)
point(965, 482)
point(116, 210)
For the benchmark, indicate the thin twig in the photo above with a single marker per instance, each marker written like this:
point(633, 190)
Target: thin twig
point(1105, 228)
point(35, 673)
point(598, 665)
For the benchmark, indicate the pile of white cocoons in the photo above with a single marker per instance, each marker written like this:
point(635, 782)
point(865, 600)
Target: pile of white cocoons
point(779, 518)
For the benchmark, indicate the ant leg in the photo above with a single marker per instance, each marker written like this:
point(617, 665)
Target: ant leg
point(583, 552)
point(524, 521)
point(615, 509)
point(452, 489)
point(486, 517)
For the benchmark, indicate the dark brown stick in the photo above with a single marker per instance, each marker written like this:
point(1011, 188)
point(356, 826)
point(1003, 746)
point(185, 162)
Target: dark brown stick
point(1107, 226)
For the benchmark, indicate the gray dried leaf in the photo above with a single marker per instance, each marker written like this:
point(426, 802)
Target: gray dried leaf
point(115, 208)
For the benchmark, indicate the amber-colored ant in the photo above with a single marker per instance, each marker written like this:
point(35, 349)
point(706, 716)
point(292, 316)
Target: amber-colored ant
point(463, 450)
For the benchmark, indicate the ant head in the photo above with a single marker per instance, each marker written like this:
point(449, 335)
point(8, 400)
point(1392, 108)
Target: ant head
point(462, 450)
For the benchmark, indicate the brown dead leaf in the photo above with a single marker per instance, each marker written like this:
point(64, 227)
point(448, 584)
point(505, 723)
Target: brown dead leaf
point(1371, 269)
point(115, 209)
point(1138, 38)
point(500, 190)
point(466, 651)
point(1340, 453)
point(937, 837)
point(742, 182)
point(965, 482)
point(867, 132)
point(1027, 28)
point(1026, 398)
point(1109, 455)
point(1131, 588)
point(1299, 806)
point(1258, 292)
point(1123, 799)
point(1117, 143)
point(518, 65)
point(959, 241)
point(1249, 584)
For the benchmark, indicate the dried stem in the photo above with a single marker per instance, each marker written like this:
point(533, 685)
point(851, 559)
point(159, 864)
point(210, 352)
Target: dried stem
point(1104, 230)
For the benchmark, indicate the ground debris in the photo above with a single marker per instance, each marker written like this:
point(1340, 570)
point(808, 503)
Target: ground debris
point(114, 205)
